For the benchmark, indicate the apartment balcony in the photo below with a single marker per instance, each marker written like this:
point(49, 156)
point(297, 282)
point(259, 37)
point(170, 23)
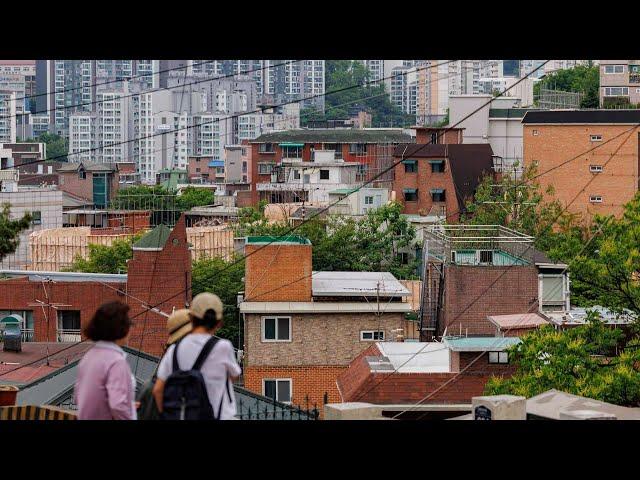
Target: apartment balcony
point(69, 336)
point(28, 335)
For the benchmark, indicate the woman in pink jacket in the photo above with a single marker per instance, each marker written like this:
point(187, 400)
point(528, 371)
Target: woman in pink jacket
point(105, 387)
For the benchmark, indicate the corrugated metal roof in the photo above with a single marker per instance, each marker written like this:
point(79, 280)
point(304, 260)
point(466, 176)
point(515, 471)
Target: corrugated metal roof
point(324, 307)
point(294, 239)
point(480, 344)
point(351, 284)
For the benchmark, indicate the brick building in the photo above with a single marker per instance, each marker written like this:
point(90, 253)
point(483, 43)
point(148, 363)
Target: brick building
point(439, 135)
point(399, 373)
point(476, 271)
point(370, 148)
point(54, 306)
point(439, 179)
point(590, 157)
point(94, 182)
point(303, 328)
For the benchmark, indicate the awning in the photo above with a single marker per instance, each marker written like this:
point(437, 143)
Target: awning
point(436, 161)
point(437, 190)
point(216, 163)
point(287, 144)
point(409, 162)
point(410, 190)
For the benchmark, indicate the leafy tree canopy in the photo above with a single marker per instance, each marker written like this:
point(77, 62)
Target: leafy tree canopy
point(10, 230)
point(106, 258)
point(195, 197)
point(57, 146)
point(580, 79)
point(593, 361)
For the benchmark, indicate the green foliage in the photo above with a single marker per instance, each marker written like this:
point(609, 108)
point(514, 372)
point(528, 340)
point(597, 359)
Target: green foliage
point(106, 259)
point(580, 79)
point(372, 243)
point(154, 197)
point(225, 280)
point(57, 146)
point(10, 230)
point(619, 103)
point(371, 98)
point(195, 197)
point(593, 360)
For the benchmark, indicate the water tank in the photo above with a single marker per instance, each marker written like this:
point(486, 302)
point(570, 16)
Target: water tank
point(12, 335)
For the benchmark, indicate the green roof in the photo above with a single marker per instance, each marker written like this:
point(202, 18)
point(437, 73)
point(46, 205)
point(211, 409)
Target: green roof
point(480, 344)
point(335, 135)
point(294, 239)
point(156, 238)
point(342, 191)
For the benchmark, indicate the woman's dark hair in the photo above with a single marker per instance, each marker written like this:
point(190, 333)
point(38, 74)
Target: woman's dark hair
point(110, 322)
point(208, 321)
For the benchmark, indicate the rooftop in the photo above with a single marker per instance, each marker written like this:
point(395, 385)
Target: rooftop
point(578, 316)
point(330, 135)
point(154, 240)
point(549, 405)
point(479, 344)
point(37, 276)
point(324, 307)
point(411, 357)
point(350, 284)
point(525, 320)
point(583, 116)
point(291, 239)
point(89, 167)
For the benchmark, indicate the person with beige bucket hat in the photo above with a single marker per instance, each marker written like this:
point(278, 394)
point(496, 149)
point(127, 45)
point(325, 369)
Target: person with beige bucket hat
point(197, 362)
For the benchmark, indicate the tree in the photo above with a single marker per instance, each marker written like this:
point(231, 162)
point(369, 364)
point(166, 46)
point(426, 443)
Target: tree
point(147, 197)
point(372, 98)
point(223, 278)
point(580, 79)
point(593, 360)
point(10, 230)
point(105, 258)
point(57, 146)
point(519, 204)
point(194, 197)
point(374, 243)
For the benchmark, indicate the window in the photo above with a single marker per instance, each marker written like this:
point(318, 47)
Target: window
point(276, 329)
point(486, 256)
point(595, 168)
point(535, 133)
point(595, 199)
point(616, 91)
point(36, 217)
point(403, 258)
point(437, 166)
point(434, 138)
point(596, 138)
point(324, 174)
point(410, 166)
point(371, 335)
point(291, 152)
point(411, 194)
point(498, 357)
point(277, 389)
point(296, 174)
point(437, 195)
point(265, 168)
point(368, 200)
point(610, 69)
point(336, 147)
point(266, 148)
point(82, 174)
point(553, 293)
point(358, 148)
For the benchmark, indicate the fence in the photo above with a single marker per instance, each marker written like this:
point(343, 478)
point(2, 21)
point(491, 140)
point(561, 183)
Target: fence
point(276, 411)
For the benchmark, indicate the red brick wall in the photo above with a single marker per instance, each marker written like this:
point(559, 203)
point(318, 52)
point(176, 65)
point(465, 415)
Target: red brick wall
point(357, 375)
point(134, 221)
point(274, 266)
point(83, 187)
point(156, 277)
point(312, 381)
point(424, 180)
point(423, 135)
point(86, 297)
point(471, 295)
point(384, 388)
point(199, 166)
point(556, 144)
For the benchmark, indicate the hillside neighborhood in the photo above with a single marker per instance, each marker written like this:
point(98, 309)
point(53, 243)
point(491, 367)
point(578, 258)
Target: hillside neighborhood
point(383, 239)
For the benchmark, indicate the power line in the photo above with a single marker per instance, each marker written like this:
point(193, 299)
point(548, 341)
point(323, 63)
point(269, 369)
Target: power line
point(260, 110)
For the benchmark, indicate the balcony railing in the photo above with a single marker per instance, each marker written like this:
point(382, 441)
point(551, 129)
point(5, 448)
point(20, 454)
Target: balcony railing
point(27, 335)
point(68, 335)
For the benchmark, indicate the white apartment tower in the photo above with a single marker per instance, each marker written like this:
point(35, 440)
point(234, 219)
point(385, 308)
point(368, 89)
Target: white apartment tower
point(7, 116)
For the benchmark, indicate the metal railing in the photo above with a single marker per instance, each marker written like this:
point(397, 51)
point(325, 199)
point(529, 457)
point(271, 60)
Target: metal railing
point(69, 335)
point(28, 335)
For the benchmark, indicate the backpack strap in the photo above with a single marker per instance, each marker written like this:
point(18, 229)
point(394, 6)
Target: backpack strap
point(204, 353)
point(176, 367)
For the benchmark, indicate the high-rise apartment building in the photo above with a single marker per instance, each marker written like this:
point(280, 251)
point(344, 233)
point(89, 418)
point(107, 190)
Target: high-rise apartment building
point(7, 116)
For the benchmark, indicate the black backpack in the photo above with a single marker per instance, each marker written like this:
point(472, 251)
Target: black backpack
point(185, 393)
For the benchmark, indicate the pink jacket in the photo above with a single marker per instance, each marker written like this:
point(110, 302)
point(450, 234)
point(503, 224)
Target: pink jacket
point(105, 387)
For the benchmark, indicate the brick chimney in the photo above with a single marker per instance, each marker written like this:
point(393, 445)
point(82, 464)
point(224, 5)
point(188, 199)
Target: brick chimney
point(278, 272)
point(160, 271)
